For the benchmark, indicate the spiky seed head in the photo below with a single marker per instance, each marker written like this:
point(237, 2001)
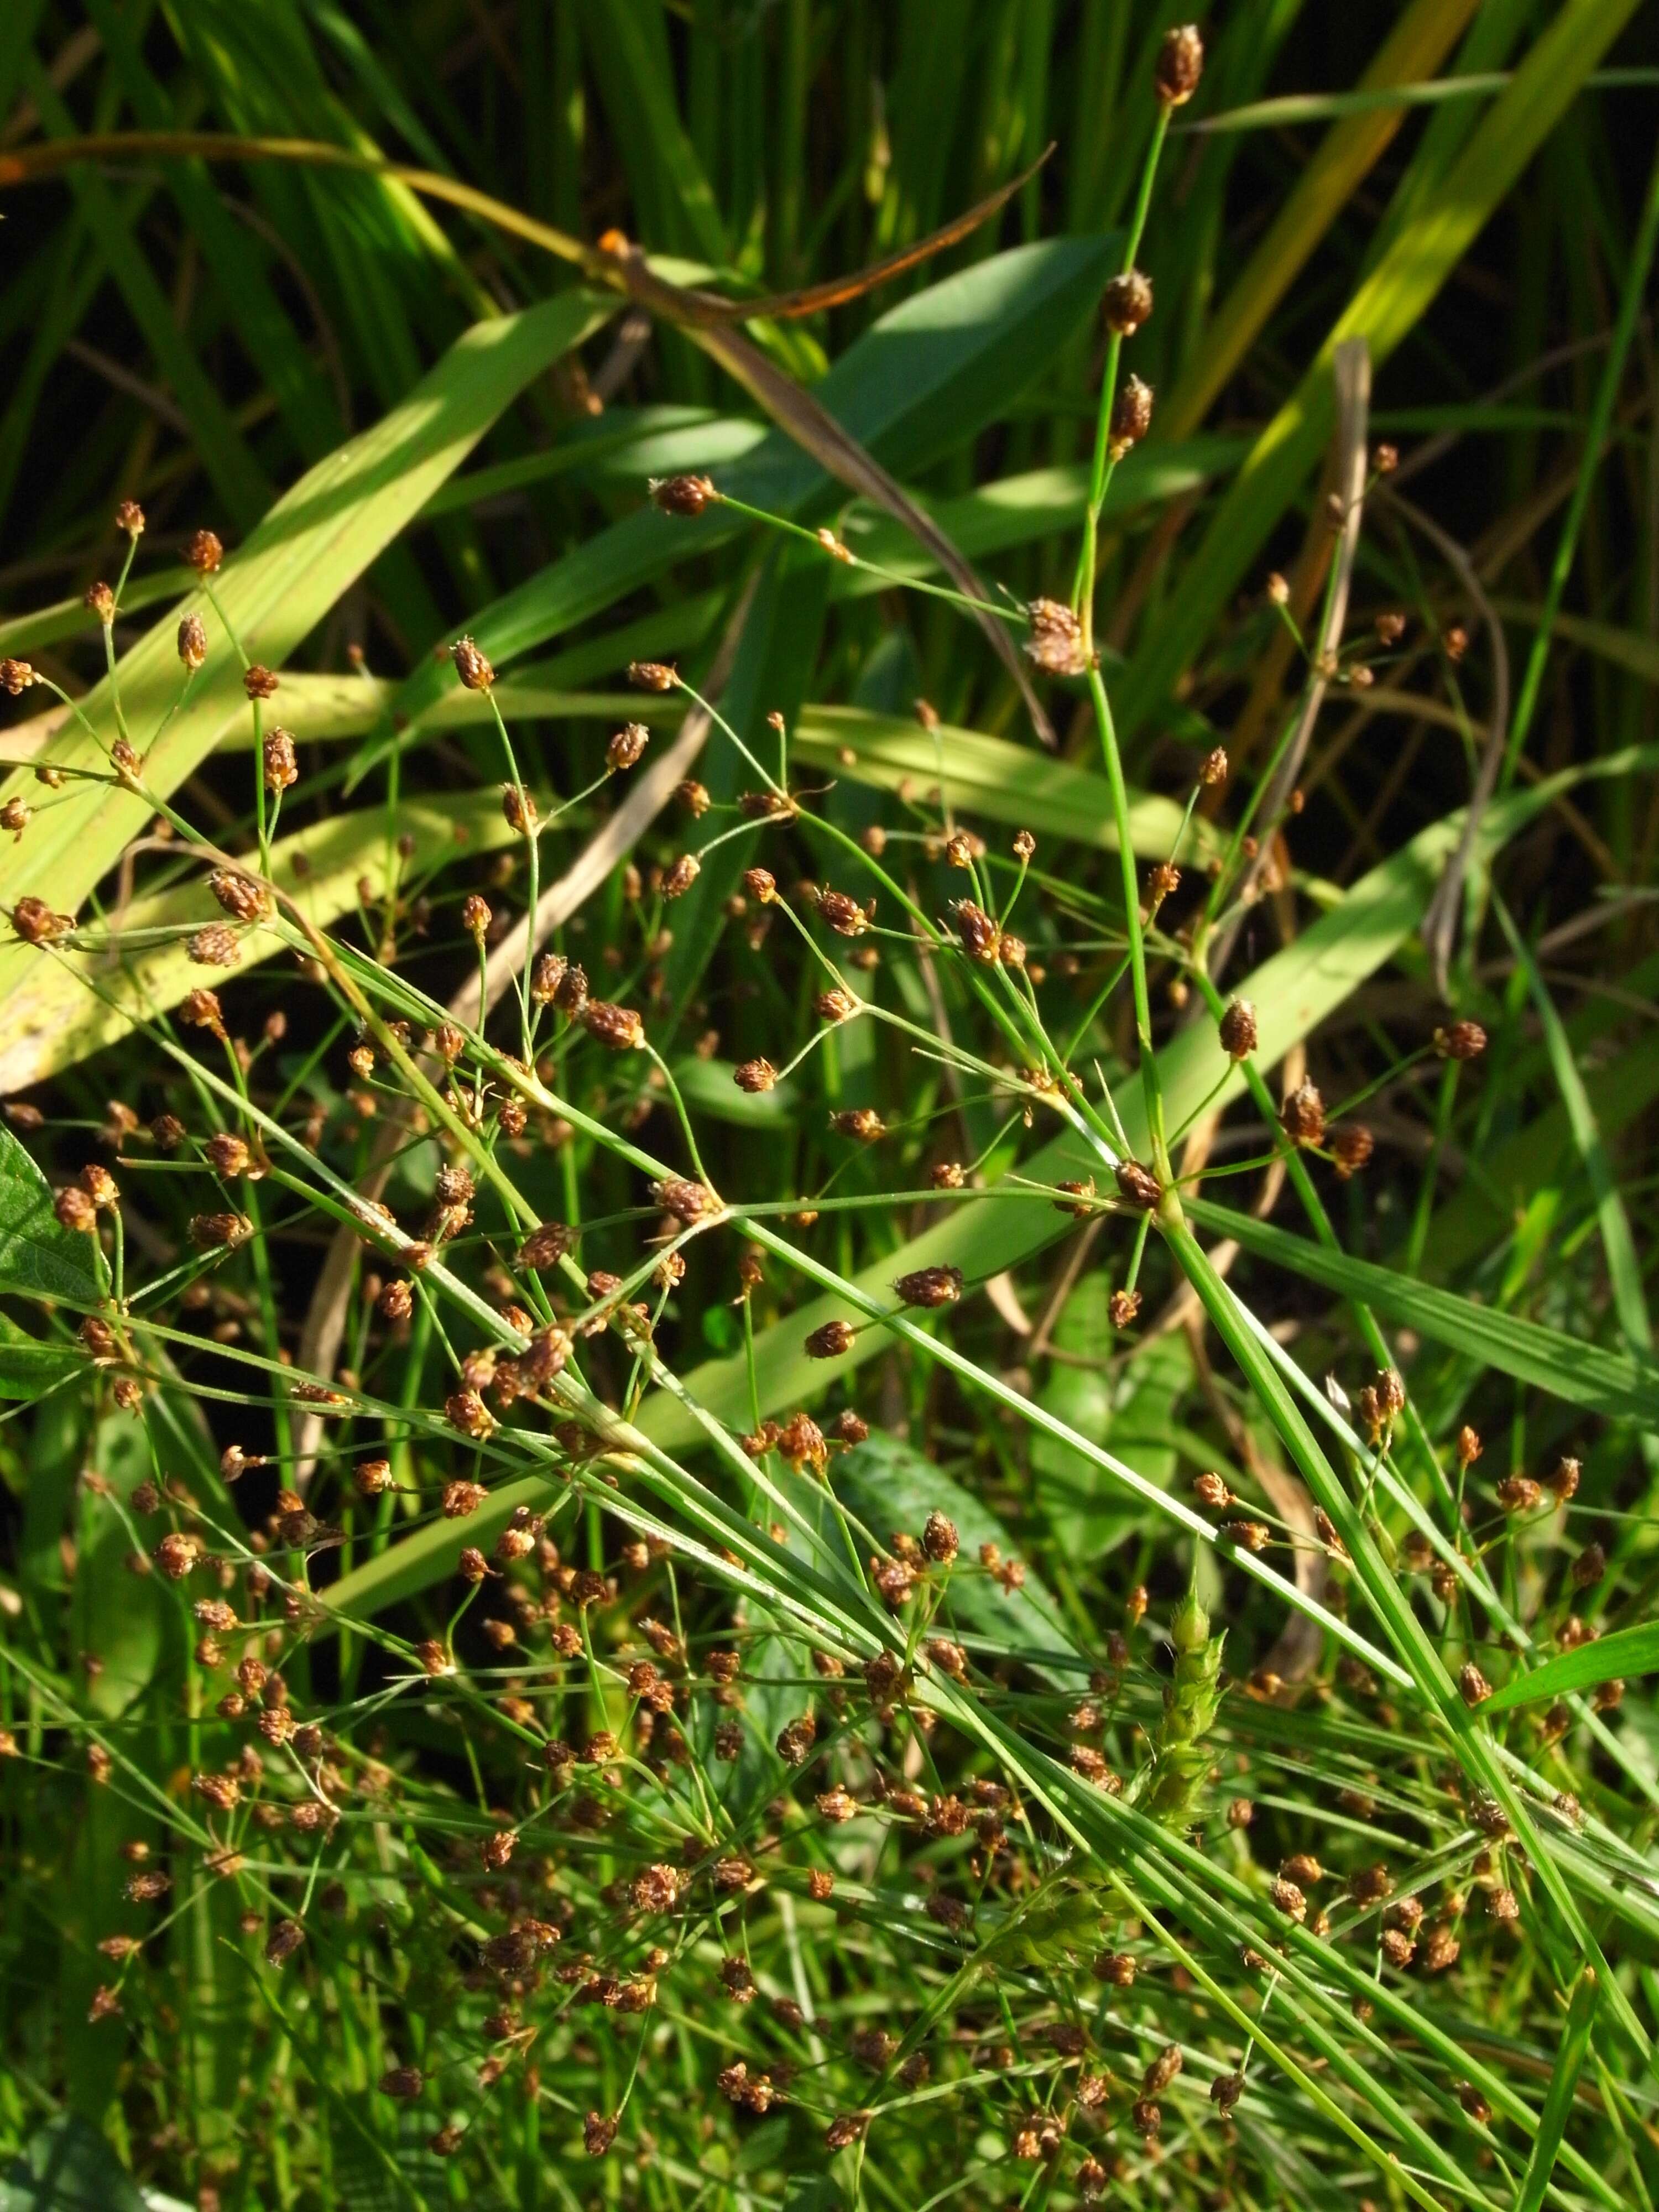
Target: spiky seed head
point(626, 747)
point(1238, 1030)
point(1126, 302)
point(754, 1076)
point(1056, 643)
point(619, 1028)
point(1137, 1185)
point(192, 642)
point(1460, 1041)
point(213, 946)
point(1472, 1685)
point(1132, 416)
point(1301, 1117)
point(204, 553)
point(1351, 1146)
point(930, 1286)
point(1179, 66)
point(282, 767)
point(35, 922)
point(652, 675)
point(831, 1340)
point(682, 495)
point(472, 665)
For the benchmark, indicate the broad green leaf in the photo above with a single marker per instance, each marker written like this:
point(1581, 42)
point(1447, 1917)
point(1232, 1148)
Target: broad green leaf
point(56, 1019)
point(68, 2166)
point(1627, 1651)
point(38, 1256)
point(1611, 1384)
point(118, 1615)
point(313, 543)
point(1386, 306)
point(919, 383)
point(28, 1368)
point(1128, 1409)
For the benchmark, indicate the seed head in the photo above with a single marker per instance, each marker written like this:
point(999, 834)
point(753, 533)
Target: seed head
point(204, 553)
point(1351, 1146)
point(1301, 1117)
point(930, 1286)
point(259, 682)
point(227, 1155)
point(1137, 1185)
point(284, 1940)
point(16, 676)
point(1564, 1483)
point(472, 665)
point(861, 1123)
point(841, 912)
point(1127, 302)
point(35, 922)
point(1472, 1685)
point(947, 1175)
point(1056, 643)
point(1238, 1030)
point(211, 1232)
point(1460, 1041)
point(831, 1340)
point(652, 675)
point(694, 798)
point(981, 940)
point(1180, 65)
point(754, 1076)
point(518, 808)
point(403, 2082)
point(282, 769)
point(1132, 416)
point(100, 600)
point(598, 2133)
point(130, 518)
point(940, 1539)
point(192, 642)
point(201, 1009)
point(1122, 1307)
point(372, 1476)
point(626, 747)
point(546, 1246)
point(685, 495)
point(837, 1005)
point(1212, 1491)
point(74, 1210)
point(686, 1201)
point(213, 946)
point(476, 916)
point(620, 1028)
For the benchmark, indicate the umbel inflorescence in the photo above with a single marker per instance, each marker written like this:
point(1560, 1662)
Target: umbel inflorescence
point(609, 1707)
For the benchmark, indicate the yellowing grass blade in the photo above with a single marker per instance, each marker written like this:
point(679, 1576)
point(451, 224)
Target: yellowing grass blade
point(314, 543)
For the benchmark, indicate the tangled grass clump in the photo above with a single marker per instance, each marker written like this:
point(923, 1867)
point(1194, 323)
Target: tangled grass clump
point(671, 1550)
